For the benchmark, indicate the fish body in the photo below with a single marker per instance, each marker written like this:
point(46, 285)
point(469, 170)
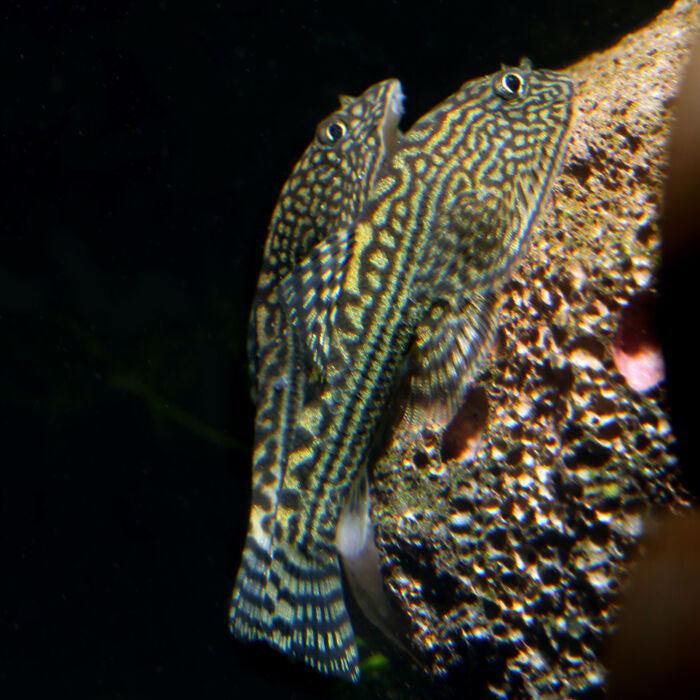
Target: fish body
point(326, 190)
point(402, 290)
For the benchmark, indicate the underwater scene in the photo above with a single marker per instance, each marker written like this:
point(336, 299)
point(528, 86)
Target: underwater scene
point(349, 351)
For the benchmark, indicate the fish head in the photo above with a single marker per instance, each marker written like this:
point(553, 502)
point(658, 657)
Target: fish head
point(537, 104)
point(534, 110)
point(493, 150)
point(367, 125)
point(335, 176)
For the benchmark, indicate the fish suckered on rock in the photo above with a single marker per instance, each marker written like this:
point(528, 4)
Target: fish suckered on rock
point(327, 188)
point(400, 295)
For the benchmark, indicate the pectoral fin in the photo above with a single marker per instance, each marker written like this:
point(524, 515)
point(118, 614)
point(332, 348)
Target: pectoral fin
point(468, 247)
point(358, 552)
point(451, 345)
point(311, 292)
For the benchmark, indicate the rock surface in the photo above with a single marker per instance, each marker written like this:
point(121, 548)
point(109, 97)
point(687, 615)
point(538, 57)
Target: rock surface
point(507, 540)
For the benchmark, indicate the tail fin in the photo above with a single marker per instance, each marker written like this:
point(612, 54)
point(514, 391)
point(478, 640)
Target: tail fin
point(250, 609)
point(295, 603)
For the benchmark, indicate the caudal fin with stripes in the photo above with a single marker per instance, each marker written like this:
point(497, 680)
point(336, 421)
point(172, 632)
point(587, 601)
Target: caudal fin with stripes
point(295, 603)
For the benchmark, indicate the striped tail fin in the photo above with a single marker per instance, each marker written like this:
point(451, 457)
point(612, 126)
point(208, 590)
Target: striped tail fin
point(249, 616)
point(295, 603)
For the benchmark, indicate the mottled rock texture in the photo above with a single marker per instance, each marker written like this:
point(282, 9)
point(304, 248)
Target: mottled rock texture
point(507, 540)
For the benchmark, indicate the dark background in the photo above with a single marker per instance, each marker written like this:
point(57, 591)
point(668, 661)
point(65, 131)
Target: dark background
point(143, 146)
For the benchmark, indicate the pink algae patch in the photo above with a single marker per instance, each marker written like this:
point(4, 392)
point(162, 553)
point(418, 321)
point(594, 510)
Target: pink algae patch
point(463, 434)
point(637, 350)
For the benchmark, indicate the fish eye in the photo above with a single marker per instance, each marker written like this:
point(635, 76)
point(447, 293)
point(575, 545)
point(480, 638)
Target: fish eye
point(332, 131)
point(509, 85)
point(335, 131)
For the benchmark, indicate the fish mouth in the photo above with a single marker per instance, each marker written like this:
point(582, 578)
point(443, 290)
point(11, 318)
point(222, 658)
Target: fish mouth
point(390, 129)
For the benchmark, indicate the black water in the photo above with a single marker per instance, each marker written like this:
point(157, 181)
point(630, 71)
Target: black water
point(143, 147)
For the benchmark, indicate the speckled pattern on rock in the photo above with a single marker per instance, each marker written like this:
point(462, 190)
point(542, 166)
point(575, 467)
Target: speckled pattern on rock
point(509, 559)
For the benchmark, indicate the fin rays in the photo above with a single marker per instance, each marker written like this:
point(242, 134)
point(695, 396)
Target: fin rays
point(311, 293)
point(450, 349)
point(295, 603)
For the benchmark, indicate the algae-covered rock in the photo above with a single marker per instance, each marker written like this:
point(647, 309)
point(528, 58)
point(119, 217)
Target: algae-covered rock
point(507, 540)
